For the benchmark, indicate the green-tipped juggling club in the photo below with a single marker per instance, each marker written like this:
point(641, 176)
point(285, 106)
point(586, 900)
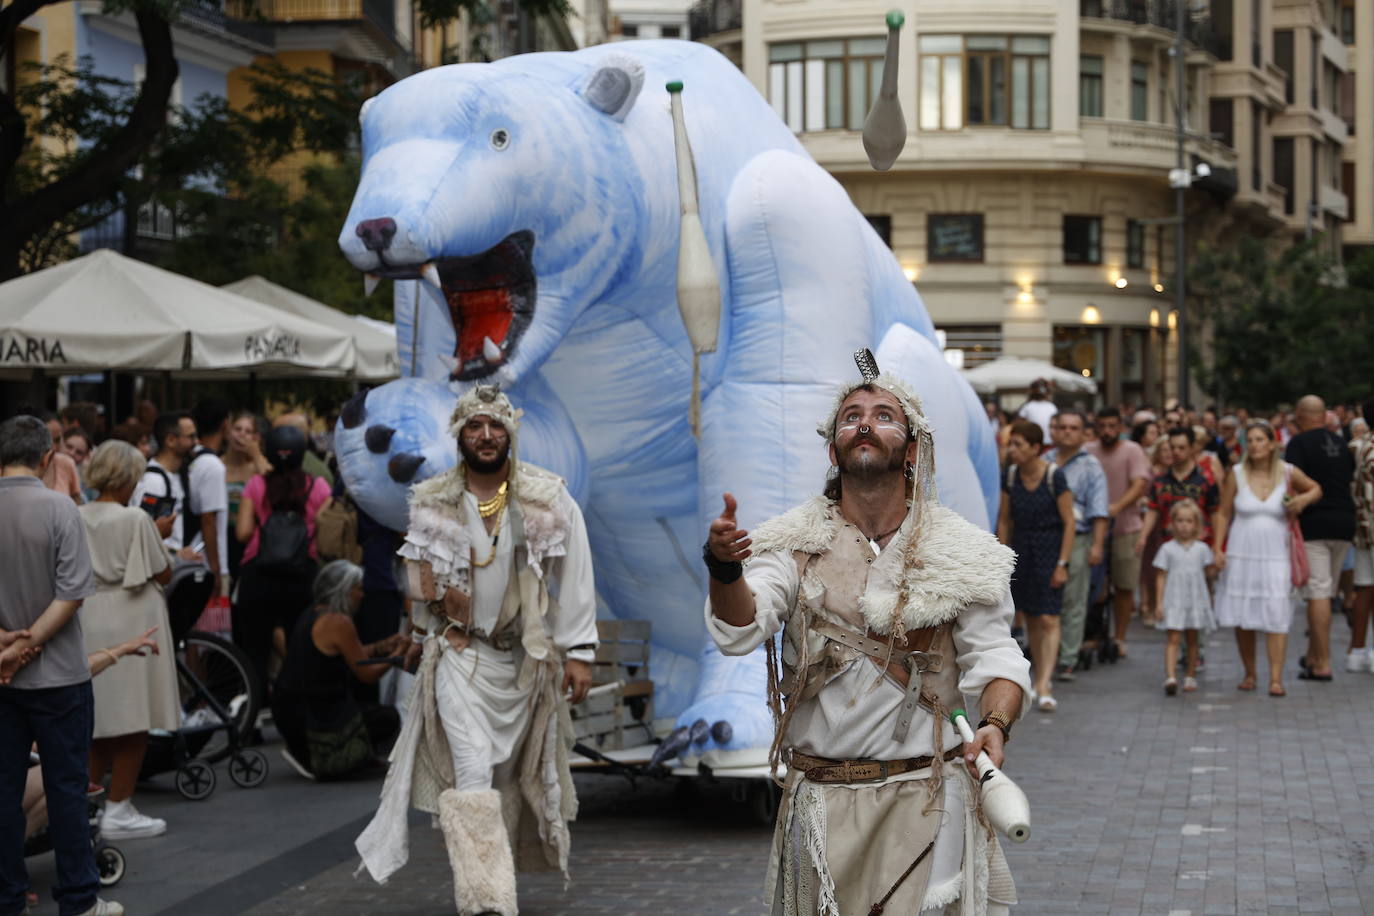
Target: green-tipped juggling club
point(1003, 801)
point(885, 128)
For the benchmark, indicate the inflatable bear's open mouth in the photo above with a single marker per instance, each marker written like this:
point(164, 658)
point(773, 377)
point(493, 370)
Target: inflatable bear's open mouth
point(490, 299)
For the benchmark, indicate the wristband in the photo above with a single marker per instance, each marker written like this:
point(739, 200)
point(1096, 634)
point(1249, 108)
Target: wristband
point(998, 720)
point(722, 571)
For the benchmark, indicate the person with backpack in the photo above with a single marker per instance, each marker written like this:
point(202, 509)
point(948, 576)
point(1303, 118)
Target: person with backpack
point(277, 523)
point(162, 490)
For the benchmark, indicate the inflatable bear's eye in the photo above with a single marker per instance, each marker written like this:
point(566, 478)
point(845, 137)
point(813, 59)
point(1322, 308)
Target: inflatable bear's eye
point(500, 138)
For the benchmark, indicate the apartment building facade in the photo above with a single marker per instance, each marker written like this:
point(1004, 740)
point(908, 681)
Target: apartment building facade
point(1032, 205)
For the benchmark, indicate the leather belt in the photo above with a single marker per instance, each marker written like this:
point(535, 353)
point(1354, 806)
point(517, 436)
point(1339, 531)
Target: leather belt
point(828, 770)
point(503, 642)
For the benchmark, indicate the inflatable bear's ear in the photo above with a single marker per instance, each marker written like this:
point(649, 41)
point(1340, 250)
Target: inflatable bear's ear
point(613, 87)
point(367, 103)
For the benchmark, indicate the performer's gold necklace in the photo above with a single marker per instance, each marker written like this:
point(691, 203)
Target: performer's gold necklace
point(486, 509)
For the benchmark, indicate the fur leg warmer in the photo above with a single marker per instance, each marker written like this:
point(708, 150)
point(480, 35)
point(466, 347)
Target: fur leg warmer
point(478, 852)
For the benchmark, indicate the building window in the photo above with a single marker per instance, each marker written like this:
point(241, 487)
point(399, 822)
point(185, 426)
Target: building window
point(1223, 22)
point(984, 80)
point(1283, 57)
point(1348, 22)
point(1222, 117)
point(954, 237)
point(1348, 188)
point(1082, 240)
point(1090, 86)
point(1283, 170)
point(1140, 90)
point(825, 85)
point(882, 224)
point(981, 343)
point(1135, 243)
point(1256, 42)
point(1081, 350)
point(629, 31)
point(1256, 146)
point(670, 31)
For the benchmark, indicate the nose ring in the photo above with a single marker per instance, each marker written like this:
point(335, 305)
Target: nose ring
point(865, 430)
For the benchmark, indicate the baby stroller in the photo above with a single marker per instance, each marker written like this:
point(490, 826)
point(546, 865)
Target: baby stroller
point(108, 859)
point(1097, 624)
point(219, 697)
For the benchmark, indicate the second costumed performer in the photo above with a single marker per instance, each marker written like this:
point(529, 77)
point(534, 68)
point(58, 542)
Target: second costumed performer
point(892, 608)
point(485, 746)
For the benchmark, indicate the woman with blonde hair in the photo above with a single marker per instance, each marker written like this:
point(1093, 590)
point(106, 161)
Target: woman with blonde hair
point(1253, 592)
point(130, 564)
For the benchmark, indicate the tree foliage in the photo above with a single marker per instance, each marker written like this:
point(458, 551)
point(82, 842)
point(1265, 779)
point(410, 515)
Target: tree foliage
point(1282, 322)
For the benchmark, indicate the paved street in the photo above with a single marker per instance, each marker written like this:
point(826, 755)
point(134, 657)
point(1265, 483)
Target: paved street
point(1218, 802)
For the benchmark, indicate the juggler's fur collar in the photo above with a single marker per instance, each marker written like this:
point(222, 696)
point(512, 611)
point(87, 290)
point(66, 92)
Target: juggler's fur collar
point(958, 563)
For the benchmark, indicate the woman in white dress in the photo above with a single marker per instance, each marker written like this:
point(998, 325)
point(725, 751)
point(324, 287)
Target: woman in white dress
point(1253, 593)
point(130, 563)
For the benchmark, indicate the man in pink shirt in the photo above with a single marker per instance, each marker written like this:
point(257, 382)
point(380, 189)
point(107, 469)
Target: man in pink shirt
point(1128, 474)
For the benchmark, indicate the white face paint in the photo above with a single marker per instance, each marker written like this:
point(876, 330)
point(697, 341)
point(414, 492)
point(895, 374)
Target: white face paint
point(883, 420)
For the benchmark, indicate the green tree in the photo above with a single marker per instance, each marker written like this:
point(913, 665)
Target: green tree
point(1282, 322)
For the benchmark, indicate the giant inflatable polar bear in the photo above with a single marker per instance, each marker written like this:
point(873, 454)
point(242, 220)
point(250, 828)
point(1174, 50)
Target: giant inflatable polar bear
point(542, 190)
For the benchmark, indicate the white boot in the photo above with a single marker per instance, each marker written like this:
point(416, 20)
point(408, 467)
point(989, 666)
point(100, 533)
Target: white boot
point(478, 852)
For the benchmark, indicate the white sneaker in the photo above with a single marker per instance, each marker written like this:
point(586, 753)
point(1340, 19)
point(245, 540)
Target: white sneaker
point(104, 908)
point(121, 821)
point(297, 765)
point(1357, 660)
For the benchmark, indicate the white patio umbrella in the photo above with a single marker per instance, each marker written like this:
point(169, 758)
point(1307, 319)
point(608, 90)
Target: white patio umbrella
point(376, 348)
point(105, 311)
point(1015, 373)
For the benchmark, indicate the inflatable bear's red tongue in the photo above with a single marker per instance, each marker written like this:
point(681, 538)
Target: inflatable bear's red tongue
point(478, 314)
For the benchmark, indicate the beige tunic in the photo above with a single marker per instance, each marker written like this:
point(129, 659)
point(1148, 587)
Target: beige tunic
point(137, 694)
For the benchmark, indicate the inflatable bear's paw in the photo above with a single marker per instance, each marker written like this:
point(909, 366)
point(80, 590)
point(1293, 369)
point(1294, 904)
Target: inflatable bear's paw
point(390, 438)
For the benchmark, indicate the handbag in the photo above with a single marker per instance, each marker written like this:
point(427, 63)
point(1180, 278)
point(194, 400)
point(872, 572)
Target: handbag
point(336, 752)
point(1297, 550)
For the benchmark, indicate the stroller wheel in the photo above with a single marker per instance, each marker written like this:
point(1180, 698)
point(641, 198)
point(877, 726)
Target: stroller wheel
point(110, 862)
point(248, 769)
point(196, 780)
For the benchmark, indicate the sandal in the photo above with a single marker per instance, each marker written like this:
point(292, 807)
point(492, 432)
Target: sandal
point(1171, 686)
point(1046, 703)
point(1189, 684)
point(1276, 690)
point(1247, 684)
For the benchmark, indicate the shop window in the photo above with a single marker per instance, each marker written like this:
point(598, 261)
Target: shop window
point(1080, 350)
point(981, 343)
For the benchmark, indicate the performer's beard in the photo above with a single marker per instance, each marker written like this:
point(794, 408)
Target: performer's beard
point(474, 461)
point(861, 467)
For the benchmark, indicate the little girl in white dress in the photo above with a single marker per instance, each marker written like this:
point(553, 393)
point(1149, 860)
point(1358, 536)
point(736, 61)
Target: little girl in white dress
point(1187, 603)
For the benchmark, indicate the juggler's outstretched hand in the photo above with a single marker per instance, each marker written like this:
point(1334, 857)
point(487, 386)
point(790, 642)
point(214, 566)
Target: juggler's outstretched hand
point(727, 542)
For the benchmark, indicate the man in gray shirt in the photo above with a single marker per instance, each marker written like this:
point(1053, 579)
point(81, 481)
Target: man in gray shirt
point(45, 683)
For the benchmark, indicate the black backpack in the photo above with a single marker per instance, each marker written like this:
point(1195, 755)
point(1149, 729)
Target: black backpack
point(284, 541)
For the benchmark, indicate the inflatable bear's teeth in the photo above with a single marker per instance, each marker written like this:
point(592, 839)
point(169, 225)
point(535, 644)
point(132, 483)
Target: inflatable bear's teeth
point(402, 467)
point(378, 438)
point(354, 411)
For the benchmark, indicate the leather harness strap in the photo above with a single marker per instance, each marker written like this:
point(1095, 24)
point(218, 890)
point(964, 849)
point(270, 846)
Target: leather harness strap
point(916, 661)
point(828, 770)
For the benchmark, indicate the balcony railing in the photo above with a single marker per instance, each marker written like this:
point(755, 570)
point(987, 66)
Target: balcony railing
point(381, 13)
point(709, 17)
point(1162, 14)
point(210, 15)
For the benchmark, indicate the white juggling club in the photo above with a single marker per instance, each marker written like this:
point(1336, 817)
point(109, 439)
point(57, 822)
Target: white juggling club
point(1003, 801)
point(885, 128)
point(698, 285)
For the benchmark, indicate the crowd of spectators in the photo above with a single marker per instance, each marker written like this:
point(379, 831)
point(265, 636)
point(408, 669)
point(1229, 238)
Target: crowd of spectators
point(1283, 506)
point(101, 526)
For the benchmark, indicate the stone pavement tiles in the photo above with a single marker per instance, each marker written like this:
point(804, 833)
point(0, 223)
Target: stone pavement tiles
point(1211, 802)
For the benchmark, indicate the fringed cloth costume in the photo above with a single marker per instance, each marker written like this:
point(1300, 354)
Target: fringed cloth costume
point(485, 746)
point(860, 806)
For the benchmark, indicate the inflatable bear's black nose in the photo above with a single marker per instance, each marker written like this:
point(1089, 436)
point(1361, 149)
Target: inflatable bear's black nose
point(377, 233)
